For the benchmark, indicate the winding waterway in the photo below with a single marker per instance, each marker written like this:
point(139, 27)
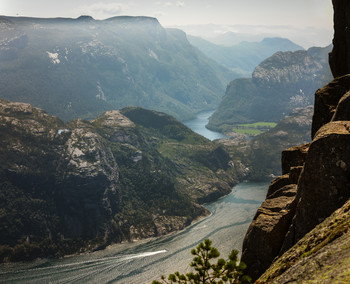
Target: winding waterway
point(198, 125)
point(144, 261)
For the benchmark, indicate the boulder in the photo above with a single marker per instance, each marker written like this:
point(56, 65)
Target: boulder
point(343, 109)
point(324, 185)
point(326, 101)
point(294, 157)
point(277, 184)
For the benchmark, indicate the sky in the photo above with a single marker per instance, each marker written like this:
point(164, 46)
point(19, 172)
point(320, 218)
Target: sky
point(317, 14)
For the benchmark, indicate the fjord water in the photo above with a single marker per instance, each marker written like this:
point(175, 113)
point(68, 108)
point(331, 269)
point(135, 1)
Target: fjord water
point(144, 261)
point(198, 125)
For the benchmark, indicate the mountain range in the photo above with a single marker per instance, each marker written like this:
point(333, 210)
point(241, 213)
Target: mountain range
point(243, 57)
point(81, 185)
point(83, 67)
point(229, 35)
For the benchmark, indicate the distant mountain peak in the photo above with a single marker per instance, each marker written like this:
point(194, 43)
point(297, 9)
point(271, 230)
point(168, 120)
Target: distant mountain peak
point(133, 19)
point(85, 18)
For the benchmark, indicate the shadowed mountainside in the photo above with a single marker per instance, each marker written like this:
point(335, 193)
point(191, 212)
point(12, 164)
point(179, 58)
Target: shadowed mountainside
point(82, 185)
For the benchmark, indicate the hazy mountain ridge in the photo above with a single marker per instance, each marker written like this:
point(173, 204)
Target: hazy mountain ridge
point(79, 186)
point(83, 67)
point(244, 56)
point(279, 84)
point(229, 35)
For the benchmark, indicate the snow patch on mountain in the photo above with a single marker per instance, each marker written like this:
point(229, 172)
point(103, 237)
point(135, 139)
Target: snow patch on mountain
point(53, 57)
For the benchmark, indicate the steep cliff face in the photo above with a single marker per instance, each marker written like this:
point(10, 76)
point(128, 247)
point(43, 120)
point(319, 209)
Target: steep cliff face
point(321, 179)
point(126, 175)
point(327, 100)
point(339, 58)
point(294, 67)
point(321, 174)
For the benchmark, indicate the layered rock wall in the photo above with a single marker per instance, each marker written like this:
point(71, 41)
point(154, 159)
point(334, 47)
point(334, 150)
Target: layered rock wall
point(320, 173)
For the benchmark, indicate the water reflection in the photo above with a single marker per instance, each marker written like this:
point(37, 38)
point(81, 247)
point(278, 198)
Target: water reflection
point(198, 125)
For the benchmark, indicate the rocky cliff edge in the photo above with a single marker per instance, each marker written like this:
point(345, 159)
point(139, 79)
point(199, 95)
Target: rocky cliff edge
point(314, 185)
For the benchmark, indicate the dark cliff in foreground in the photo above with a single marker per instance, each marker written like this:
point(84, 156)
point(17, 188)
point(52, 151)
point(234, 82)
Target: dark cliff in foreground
point(292, 229)
point(79, 186)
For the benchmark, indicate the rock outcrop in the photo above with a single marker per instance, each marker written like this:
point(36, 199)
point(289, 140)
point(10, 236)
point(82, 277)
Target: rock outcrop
point(321, 256)
point(320, 173)
point(265, 234)
point(327, 100)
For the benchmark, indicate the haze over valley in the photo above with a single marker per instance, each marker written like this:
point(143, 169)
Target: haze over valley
point(132, 130)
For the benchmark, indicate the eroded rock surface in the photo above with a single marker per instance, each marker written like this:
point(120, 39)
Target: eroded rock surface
point(266, 233)
point(324, 185)
point(294, 157)
point(326, 101)
point(321, 256)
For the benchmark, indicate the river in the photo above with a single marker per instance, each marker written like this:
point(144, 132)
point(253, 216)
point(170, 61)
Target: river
point(146, 260)
point(198, 125)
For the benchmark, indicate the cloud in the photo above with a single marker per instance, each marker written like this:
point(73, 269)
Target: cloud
point(170, 4)
point(180, 4)
point(101, 8)
point(164, 4)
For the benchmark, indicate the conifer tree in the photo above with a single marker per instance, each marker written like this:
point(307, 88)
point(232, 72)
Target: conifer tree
point(223, 271)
